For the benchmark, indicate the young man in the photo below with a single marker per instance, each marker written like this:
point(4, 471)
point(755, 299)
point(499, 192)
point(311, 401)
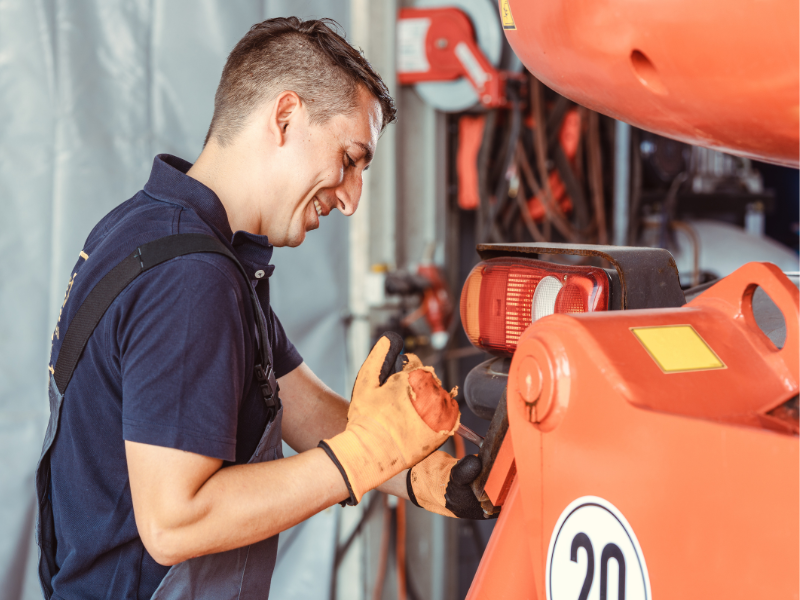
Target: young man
point(161, 474)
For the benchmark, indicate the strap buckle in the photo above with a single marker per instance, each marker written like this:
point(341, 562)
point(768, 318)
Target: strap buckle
point(268, 384)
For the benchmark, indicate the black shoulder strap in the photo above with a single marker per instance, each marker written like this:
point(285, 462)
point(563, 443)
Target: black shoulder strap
point(111, 285)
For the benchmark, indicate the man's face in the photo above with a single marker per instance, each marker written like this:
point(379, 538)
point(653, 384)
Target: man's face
point(321, 170)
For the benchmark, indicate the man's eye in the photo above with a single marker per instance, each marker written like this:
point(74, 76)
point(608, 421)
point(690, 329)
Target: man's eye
point(350, 161)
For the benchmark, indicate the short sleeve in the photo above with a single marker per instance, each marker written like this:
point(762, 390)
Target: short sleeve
point(182, 352)
point(285, 356)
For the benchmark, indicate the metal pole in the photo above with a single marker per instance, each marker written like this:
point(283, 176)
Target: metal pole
point(622, 177)
point(372, 240)
point(372, 227)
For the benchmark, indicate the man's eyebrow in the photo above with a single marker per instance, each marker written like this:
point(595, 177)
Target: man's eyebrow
point(368, 153)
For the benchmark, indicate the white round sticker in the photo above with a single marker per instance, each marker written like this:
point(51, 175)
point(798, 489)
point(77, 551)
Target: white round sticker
point(594, 555)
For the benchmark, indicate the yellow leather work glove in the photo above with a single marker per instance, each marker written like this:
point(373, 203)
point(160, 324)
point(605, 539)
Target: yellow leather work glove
point(441, 484)
point(393, 421)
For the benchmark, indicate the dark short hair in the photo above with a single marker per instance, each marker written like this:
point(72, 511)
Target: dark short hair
point(310, 58)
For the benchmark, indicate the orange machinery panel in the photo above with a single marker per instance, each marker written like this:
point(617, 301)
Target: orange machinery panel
point(715, 73)
point(651, 460)
point(505, 571)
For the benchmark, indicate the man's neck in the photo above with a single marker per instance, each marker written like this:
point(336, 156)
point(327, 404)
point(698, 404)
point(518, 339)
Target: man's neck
point(221, 171)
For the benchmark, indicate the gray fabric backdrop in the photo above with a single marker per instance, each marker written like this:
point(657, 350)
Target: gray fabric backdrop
point(90, 91)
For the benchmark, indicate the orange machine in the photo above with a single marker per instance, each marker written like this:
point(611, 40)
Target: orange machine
point(650, 452)
point(643, 447)
point(720, 74)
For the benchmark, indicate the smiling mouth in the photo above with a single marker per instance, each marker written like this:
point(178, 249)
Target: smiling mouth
point(318, 207)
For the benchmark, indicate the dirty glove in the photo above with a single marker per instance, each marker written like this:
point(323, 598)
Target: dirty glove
point(393, 422)
point(441, 484)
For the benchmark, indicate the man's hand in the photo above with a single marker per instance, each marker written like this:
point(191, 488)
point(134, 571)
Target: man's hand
point(441, 484)
point(312, 412)
point(391, 425)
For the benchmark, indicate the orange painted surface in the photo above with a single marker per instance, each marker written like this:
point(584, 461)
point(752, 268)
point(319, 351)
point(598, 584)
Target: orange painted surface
point(719, 74)
point(505, 572)
point(502, 474)
point(709, 484)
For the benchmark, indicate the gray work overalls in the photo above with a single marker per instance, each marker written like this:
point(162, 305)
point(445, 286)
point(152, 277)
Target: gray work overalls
point(242, 573)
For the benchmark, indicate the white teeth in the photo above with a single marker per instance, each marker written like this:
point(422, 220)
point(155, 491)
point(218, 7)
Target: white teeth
point(318, 207)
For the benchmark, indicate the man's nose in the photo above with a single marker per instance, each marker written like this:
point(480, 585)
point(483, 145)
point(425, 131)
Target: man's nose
point(349, 193)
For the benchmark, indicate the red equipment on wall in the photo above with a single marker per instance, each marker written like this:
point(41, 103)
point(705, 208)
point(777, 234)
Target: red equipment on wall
point(439, 44)
point(437, 304)
point(650, 452)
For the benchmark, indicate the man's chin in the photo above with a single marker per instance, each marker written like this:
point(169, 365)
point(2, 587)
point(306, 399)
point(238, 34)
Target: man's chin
point(295, 240)
point(297, 237)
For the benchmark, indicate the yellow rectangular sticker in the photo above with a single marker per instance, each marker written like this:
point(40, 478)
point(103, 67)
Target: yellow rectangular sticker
point(505, 15)
point(677, 348)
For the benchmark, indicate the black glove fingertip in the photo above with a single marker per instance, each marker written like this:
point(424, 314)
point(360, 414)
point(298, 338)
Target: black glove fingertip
point(466, 470)
point(389, 366)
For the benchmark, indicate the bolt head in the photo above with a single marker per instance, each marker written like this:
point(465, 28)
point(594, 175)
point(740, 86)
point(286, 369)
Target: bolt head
point(529, 380)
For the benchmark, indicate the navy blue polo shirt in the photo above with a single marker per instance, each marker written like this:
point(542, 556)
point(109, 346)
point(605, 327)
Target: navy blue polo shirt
point(170, 364)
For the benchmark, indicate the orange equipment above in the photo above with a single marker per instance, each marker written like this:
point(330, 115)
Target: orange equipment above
point(651, 453)
point(723, 75)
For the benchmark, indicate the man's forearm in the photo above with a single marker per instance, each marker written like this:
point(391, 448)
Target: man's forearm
point(396, 486)
point(234, 507)
point(312, 411)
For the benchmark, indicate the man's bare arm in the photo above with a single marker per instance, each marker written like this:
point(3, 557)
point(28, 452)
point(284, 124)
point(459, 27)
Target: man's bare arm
point(186, 505)
point(313, 412)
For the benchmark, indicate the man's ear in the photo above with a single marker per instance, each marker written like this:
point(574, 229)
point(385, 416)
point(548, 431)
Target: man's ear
point(285, 111)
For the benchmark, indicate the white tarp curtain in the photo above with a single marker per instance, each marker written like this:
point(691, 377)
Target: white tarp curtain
point(90, 91)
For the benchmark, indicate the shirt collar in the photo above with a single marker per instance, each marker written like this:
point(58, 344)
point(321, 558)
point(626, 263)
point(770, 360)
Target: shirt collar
point(169, 183)
point(254, 251)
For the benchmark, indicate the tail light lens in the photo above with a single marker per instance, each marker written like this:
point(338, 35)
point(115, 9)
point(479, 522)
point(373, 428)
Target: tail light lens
point(503, 296)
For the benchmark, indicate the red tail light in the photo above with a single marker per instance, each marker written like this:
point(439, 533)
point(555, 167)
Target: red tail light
point(503, 296)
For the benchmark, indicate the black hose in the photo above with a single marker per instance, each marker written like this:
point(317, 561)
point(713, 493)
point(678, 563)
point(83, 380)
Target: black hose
point(483, 176)
point(668, 210)
point(510, 217)
point(501, 191)
point(573, 187)
point(636, 186)
point(554, 122)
